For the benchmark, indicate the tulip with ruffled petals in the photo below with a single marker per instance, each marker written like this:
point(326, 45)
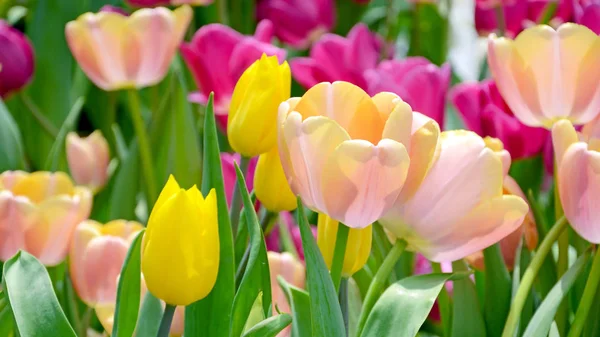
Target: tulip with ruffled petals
point(88, 159)
point(578, 176)
point(459, 207)
point(298, 22)
point(484, 112)
point(358, 246)
point(16, 59)
point(587, 13)
point(545, 74)
point(270, 185)
point(180, 252)
point(122, 52)
point(335, 58)
point(38, 214)
point(345, 153)
point(218, 55)
point(420, 83)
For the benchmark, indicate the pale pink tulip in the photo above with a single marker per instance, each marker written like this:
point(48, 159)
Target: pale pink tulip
point(545, 74)
point(293, 272)
point(88, 159)
point(38, 214)
point(578, 163)
point(459, 207)
point(121, 52)
point(347, 154)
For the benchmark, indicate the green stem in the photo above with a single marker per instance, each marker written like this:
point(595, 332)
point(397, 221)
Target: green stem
point(379, 281)
point(562, 264)
point(530, 275)
point(222, 12)
point(444, 302)
point(548, 12)
point(236, 199)
point(343, 296)
point(337, 265)
point(587, 298)
point(141, 134)
point(165, 322)
point(500, 20)
point(39, 117)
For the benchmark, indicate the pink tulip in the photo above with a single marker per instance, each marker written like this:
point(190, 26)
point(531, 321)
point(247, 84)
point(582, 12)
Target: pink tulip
point(273, 242)
point(578, 163)
point(459, 207)
point(484, 111)
point(218, 55)
point(417, 81)
point(88, 159)
point(38, 214)
point(347, 154)
point(229, 176)
point(298, 22)
point(486, 16)
point(335, 58)
point(17, 61)
point(154, 3)
point(293, 272)
point(545, 74)
point(587, 13)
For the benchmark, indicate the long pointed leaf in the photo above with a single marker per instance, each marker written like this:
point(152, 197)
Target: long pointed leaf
point(12, 156)
point(467, 315)
point(497, 291)
point(270, 327)
point(300, 304)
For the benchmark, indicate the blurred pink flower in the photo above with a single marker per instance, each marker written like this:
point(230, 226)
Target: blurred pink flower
point(417, 81)
point(587, 13)
point(218, 55)
point(486, 19)
point(229, 176)
point(16, 59)
point(88, 159)
point(153, 3)
point(337, 58)
point(293, 272)
point(298, 22)
point(423, 266)
point(272, 239)
point(484, 111)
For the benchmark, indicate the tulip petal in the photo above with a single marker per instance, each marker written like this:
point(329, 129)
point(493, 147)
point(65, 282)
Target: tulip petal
point(270, 184)
point(17, 215)
point(85, 232)
point(103, 261)
point(361, 181)
point(399, 123)
point(40, 185)
point(563, 136)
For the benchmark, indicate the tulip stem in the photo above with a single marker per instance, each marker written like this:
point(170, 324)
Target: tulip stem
point(500, 19)
point(144, 145)
point(165, 322)
point(337, 265)
point(222, 11)
point(530, 275)
point(343, 296)
point(587, 298)
point(39, 117)
point(236, 199)
point(548, 12)
point(379, 280)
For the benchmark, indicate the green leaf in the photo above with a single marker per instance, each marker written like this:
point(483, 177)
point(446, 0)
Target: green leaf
point(151, 313)
point(6, 316)
point(348, 14)
point(528, 173)
point(12, 156)
point(467, 315)
point(497, 291)
point(128, 290)
point(125, 186)
point(270, 327)
point(544, 316)
point(57, 152)
point(211, 316)
point(256, 278)
point(429, 35)
point(300, 304)
point(404, 306)
point(327, 320)
point(32, 299)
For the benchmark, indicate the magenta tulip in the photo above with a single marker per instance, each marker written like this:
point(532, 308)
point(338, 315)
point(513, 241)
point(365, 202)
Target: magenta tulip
point(587, 13)
point(16, 59)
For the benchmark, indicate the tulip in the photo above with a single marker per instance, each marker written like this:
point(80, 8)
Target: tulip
point(17, 61)
point(486, 16)
point(229, 175)
point(123, 52)
point(251, 127)
point(153, 3)
point(335, 58)
point(545, 74)
point(270, 185)
point(298, 23)
point(587, 13)
point(420, 83)
point(180, 252)
point(38, 214)
point(292, 271)
point(484, 112)
point(218, 55)
point(459, 207)
point(577, 161)
point(347, 154)
point(358, 246)
point(88, 159)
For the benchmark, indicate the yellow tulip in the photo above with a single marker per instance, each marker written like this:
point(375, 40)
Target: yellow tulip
point(180, 252)
point(252, 123)
point(270, 184)
point(358, 247)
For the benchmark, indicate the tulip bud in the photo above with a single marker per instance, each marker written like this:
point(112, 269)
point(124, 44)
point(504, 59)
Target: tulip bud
point(291, 269)
point(16, 59)
point(270, 184)
point(180, 252)
point(358, 247)
point(88, 159)
point(252, 124)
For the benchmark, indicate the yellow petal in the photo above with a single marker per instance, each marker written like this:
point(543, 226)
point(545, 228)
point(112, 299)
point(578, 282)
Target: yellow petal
point(39, 186)
point(563, 136)
point(270, 184)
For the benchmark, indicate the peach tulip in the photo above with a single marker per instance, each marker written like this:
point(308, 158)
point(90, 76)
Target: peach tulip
point(578, 164)
point(545, 74)
point(39, 212)
point(292, 270)
point(88, 159)
point(459, 207)
point(122, 52)
point(345, 153)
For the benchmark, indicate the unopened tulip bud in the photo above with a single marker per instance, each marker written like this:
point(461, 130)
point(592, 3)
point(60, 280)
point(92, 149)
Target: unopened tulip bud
point(88, 159)
point(270, 184)
point(16, 59)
